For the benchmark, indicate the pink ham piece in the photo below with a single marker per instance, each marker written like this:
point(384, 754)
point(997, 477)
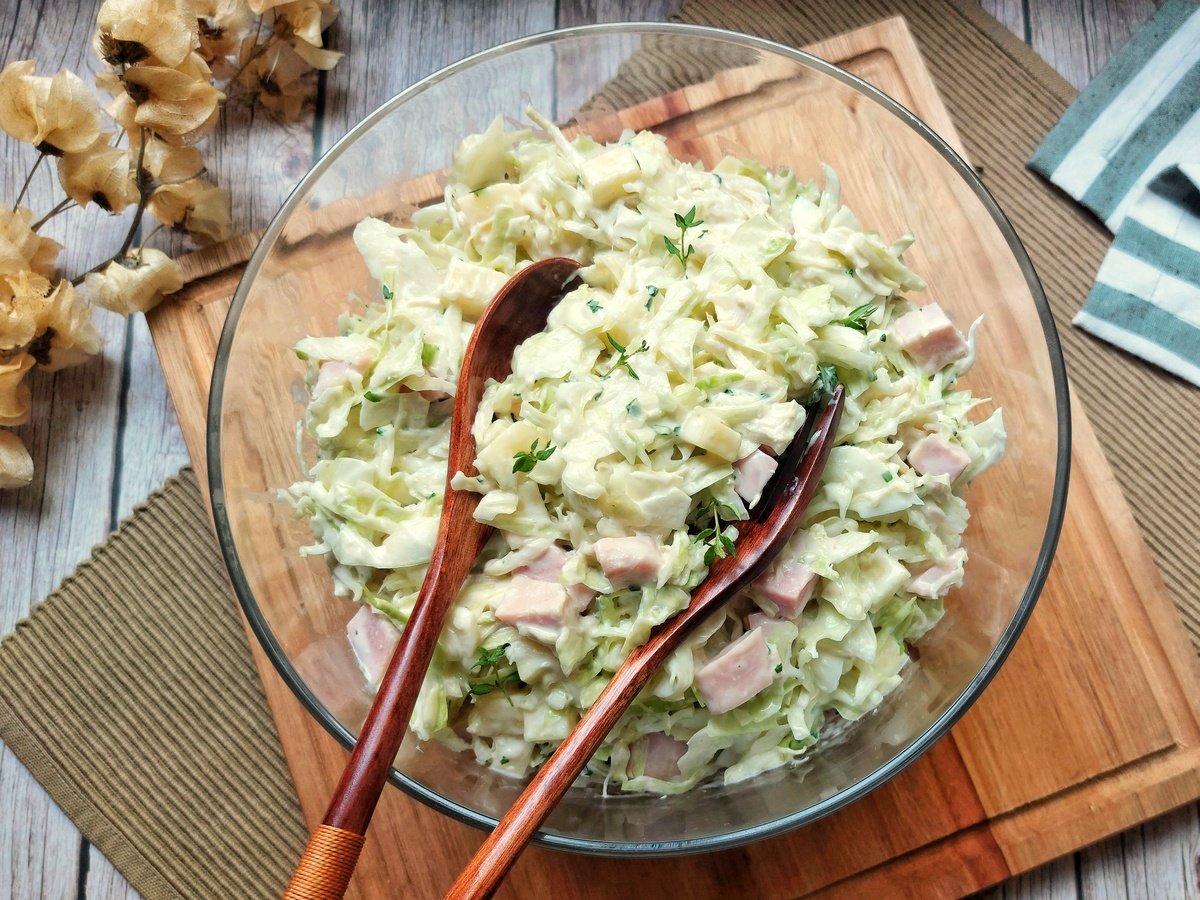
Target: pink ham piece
point(789, 586)
point(737, 673)
point(929, 337)
point(372, 638)
point(663, 753)
point(539, 604)
point(934, 455)
point(935, 581)
point(751, 476)
point(629, 560)
point(548, 567)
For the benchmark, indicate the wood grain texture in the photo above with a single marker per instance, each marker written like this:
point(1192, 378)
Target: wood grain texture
point(38, 846)
point(976, 824)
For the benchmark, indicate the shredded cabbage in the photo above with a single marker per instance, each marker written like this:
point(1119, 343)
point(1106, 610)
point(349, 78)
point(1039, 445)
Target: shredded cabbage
point(715, 304)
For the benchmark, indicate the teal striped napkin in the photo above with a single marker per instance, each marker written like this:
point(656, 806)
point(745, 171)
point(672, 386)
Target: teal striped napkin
point(1129, 150)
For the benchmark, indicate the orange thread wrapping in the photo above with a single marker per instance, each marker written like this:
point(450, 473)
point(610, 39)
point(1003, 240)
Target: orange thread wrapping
point(326, 866)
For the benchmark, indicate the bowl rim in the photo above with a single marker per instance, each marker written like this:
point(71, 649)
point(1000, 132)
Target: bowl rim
point(738, 837)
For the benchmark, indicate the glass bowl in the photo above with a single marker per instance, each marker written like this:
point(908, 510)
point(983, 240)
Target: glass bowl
point(710, 93)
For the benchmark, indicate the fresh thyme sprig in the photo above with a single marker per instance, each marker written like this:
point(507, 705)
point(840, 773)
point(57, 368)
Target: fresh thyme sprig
point(683, 250)
point(492, 674)
point(858, 317)
point(719, 544)
point(624, 358)
point(525, 460)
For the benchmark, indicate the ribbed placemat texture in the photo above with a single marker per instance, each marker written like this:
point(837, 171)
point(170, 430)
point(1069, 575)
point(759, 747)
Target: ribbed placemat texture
point(130, 692)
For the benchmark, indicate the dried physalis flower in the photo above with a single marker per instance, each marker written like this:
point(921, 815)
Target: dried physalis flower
point(22, 308)
point(167, 163)
point(101, 174)
point(221, 24)
point(307, 18)
point(278, 78)
point(136, 282)
point(69, 336)
point(134, 30)
point(21, 248)
point(14, 393)
point(16, 465)
point(174, 104)
point(56, 114)
point(197, 206)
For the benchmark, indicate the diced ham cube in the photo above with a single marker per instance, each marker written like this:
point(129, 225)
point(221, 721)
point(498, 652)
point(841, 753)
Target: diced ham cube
point(929, 337)
point(934, 455)
point(751, 476)
point(372, 638)
point(629, 560)
point(538, 604)
point(758, 619)
point(663, 753)
point(936, 581)
point(789, 586)
point(548, 567)
point(737, 673)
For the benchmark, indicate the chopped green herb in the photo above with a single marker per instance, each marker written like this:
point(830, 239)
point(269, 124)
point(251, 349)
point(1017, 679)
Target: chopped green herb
point(633, 408)
point(579, 181)
point(387, 293)
point(858, 317)
point(300, 354)
point(594, 306)
point(850, 270)
point(493, 674)
point(719, 544)
point(475, 193)
point(779, 668)
point(524, 461)
point(824, 384)
point(373, 396)
point(718, 177)
point(652, 291)
point(379, 430)
point(624, 358)
point(504, 760)
point(883, 339)
point(887, 477)
point(683, 250)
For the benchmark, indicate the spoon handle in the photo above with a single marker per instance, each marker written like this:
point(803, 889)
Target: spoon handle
point(324, 870)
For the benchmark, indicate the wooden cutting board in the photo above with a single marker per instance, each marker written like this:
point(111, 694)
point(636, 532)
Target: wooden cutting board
point(1091, 726)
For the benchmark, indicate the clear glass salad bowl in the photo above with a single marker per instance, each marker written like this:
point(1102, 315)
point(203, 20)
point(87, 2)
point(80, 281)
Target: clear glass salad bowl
point(711, 93)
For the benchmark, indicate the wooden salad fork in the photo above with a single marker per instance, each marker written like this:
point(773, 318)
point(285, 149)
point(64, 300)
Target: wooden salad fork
point(760, 539)
point(517, 312)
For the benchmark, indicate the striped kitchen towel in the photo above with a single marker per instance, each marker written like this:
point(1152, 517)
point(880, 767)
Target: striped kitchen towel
point(1129, 150)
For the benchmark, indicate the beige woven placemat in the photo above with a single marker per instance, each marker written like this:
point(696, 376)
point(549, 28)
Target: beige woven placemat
point(130, 693)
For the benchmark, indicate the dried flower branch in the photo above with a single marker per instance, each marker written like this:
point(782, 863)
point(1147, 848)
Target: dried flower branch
point(162, 57)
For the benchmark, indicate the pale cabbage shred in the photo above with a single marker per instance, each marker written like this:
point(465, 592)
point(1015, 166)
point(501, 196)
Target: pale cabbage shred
point(741, 334)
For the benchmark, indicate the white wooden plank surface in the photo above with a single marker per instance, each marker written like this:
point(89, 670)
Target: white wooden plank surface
point(104, 435)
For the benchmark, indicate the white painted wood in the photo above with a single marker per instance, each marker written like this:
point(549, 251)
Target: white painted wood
point(46, 528)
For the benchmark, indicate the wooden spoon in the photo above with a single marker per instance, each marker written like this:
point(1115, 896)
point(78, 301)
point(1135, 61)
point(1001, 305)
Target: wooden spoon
point(759, 540)
point(517, 312)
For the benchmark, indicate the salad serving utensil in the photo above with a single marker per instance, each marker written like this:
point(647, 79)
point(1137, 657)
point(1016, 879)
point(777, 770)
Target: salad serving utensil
point(518, 311)
point(760, 539)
